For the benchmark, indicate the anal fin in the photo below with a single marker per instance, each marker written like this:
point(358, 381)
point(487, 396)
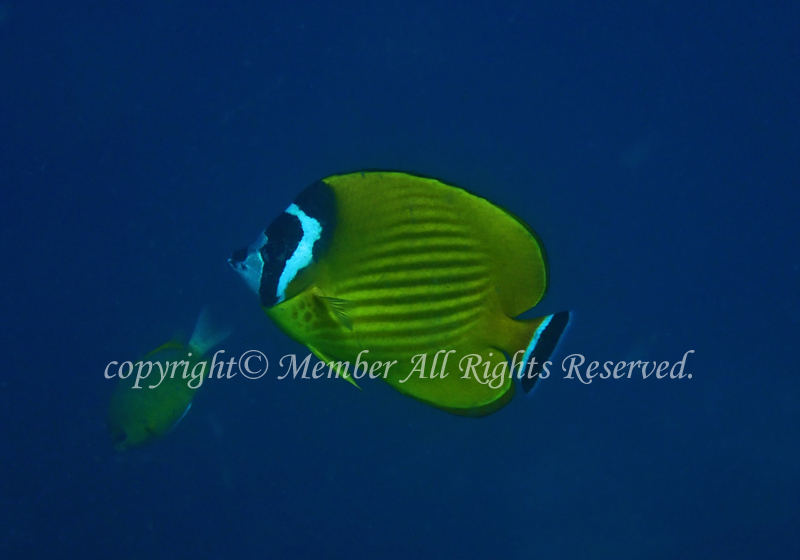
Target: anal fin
point(328, 360)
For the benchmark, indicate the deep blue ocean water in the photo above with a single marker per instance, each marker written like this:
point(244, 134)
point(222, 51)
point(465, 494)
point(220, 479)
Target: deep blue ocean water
point(652, 145)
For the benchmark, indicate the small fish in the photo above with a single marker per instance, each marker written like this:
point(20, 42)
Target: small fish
point(144, 410)
point(403, 265)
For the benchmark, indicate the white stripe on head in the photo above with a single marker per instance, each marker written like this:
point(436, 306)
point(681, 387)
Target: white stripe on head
point(302, 256)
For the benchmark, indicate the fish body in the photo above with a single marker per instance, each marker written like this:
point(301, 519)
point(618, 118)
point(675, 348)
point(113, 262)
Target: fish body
point(144, 409)
point(403, 266)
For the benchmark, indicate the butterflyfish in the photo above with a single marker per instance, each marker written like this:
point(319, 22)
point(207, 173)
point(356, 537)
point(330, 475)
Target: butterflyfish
point(153, 395)
point(405, 267)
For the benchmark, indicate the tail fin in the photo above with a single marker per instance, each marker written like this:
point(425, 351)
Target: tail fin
point(542, 338)
point(205, 337)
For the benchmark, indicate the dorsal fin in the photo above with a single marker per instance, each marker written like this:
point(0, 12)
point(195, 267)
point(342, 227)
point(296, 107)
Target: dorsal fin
point(174, 344)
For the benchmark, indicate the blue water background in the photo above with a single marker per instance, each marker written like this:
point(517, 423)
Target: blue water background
point(652, 145)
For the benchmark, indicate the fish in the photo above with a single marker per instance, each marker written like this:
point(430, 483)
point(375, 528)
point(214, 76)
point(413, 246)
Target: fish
point(151, 399)
point(397, 267)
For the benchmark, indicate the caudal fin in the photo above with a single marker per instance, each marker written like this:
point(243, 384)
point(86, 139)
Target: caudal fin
point(547, 332)
point(205, 336)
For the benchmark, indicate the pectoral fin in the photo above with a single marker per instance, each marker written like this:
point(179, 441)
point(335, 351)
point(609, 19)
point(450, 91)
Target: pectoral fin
point(338, 308)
